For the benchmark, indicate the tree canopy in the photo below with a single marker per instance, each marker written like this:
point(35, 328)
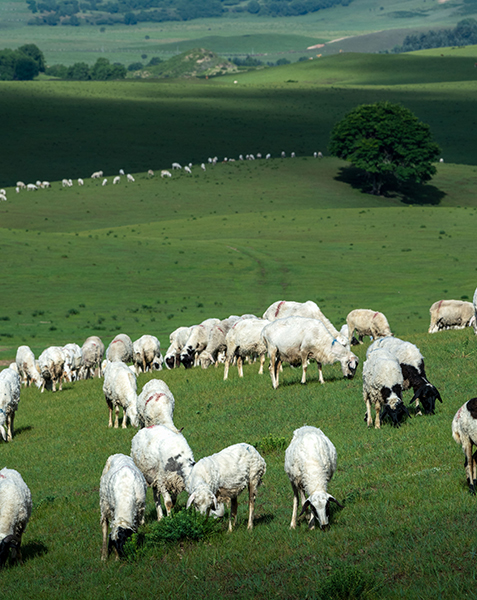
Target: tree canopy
point(385, 139)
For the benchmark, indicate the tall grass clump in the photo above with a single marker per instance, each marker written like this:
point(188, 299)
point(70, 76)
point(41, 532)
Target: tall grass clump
point(348, 583)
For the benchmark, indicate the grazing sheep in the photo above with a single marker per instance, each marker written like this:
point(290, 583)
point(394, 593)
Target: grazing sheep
point(202, 166)
point(166, 460)
point(105, 182)
point(92, 352)
point(119, 389)
point(122, 500)
point(9, 399)
point(464, 432)
point(51, 363)
point(451, 314)
point(155, 405)
point(244, 339)
point(187, 170)
point(216, 343)
point(176, 165)
point(310, 462)
point(74, 360)
point(25, 361)
point(150, 173)
point(97, 175)
point(80, 181)
point(120, 349)
point(309, 309)
point(20, 185)
point(297, 340)
point(413, 371)
point(147, 353)
point(367, 322)
point(382, 385)
point(15, 511)
point(223, 476)
point(130, 178)
point(165, 173)
point(116, 180)
point(177, 340)
point(197, 341)
point(121, 171)
point(31, 186)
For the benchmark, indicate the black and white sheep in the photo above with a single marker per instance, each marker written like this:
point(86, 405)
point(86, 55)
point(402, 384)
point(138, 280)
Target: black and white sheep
point(382, 386)
point(119, 389)
point(367, 322)
point(221, 477)
point(15, 511)
point(122, 500)
point(177, 341)
point(155, 405)
point(297, 340)
point(451, 314)
point(216, 344)
point(413, 371)
point(9, 399)
point(197, 341)
point(464, 432)
point(244, 340)
point(310, 462)
point(26, 365)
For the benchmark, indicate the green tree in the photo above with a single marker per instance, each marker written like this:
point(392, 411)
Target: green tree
point(35, 53)
point(385, 139)
point(79, 72)
point(25, 68)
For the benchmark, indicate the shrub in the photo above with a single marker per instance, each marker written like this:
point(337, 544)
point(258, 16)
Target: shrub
point(347, 583)
point(271, 443)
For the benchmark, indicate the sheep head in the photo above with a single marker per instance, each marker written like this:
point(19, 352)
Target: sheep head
point(427, 394)
point(10, 541)
point(319, 504)
point(204, 501)
point(117, 540)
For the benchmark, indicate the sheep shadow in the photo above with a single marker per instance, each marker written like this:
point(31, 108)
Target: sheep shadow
point(32, 549)
point(407, 193)
point(22, 429)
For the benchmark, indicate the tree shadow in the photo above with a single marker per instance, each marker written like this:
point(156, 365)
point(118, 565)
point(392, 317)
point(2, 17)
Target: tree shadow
point(407, 193)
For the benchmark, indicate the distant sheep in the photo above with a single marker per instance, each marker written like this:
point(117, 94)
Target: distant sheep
point(165, 173)
point(367, 322)
point(130, 178)
point(451, 314)
point(176, 165)
point(25, 361)
point(197, 341)
point(9, 399)
point(116, 180)
point(51, 363)
point(92, 352)
point(216, 343)
point(177, 341)
point(244, 340)
point(188, 170)
point(121, 348)
point(105, 181)
point(147, 354)
point(15, 511)
point(119, 390)
point(97, 175)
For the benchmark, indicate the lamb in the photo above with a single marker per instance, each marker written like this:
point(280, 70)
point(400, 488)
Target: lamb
point(216, 343)
point(122, 500)
point(147, 353)
point(74, 360)
point(413, 371)
point(367, 322)
point(120, 389)
point(296, 340)
point(25, 361)
point(464, 432)
point(244, 339)
point(121, 348)
point(51, 363)
point(15, 511)
point(382, 385)
point(223, 476)
point(155, 405)
point(177, 340)
point(310, 462)
point(309, 309)
point(166, 460)
point(197, 341)
point(9, 399)
point(451, 314)
point(92, 352)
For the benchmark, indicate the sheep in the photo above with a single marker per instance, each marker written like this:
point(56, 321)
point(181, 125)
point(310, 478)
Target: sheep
point(451, 314)
point(122, 501)
point(97, 175)
point(121, 348)
point(382, 385)
point(120, 389)
point(9, 399)
point(413, 371)
point(74, 359)
point(51, 363)
point(116, 180)
point(166, 460)
point(177, 340)
point(121, 171)
point(474, 302)
point(197, 341)
point(176, 165)
point(283, 154)
point(20, 185)
point(150, 173)
point(155, 405)
point(25, 361)
point(367, 322)
point(188, 170)
point(285, 308)
point(310, 462)
point(31, 186)
point(464, 432)
point(223, 476)
point(15, 511)
point(202, 166)
point(3, 198)
point(296, 340)
point(344, 331)
point(65, 183)
point(105, 182)
point(80, 181)
point(244, 339)
point(216, 343)
point(130, 178)
point(147, 353)
point(92, 352)
point(165, 173)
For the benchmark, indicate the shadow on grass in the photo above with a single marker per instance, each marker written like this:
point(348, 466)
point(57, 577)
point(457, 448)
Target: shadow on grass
point(263, 519)
point(20, 430)
point(407, 193)
point(32, 549)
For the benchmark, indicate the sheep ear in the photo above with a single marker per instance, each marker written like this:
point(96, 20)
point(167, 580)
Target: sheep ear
point(438, 396)
point(304, 507)
point(417, 394)
point(333, 499)
point(190, 500)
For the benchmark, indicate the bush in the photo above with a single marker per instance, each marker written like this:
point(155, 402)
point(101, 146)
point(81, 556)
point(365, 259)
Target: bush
point(271, 443)
point(135, 66)
point(347, 583)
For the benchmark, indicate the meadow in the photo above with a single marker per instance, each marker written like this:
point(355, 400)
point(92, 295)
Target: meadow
point(149, 256)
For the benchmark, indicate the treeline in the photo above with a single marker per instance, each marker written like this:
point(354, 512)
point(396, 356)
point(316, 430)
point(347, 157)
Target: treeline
point(22, 64)
point(130, 12)
point(463, 34)
point(102, 70)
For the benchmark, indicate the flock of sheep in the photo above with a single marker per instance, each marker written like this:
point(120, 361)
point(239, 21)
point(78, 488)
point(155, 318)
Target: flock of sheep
point(291, 332)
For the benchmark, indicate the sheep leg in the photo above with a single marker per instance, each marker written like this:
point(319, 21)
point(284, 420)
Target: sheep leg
point(377, 408)
point(295, 506)
point(262, 362)
point(157, 502)
point(124, 425)
point(304, 366)
point(110, 423)
point(104, 548)
point(252, 493)
point(61, 382)
point(169, 501)
point(368, 410)
point(320, 372)
point(116, 420)
point(233, 512)
point(53, 385)
point(226, 369)
point(10, 426)
point(240, 366)
point(469, 466)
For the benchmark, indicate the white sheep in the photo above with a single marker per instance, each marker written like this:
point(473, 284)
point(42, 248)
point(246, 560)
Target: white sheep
point(116, 180)
point(9, 399)
point(15, 511)
point(74, 360)
point(451, 314)
point(382, 386)
point(176, 165)
point(166, 460)
point(155, 405)
point(20, 185)
point(121, 171)
point(177, 341)
point(165, 173)
point(413, 371)
point(105, 182)
point(122, 500)
point(130, 178)
point(216, 343)
point(120, 349)
point(197, 341)
point(221, 477)
point(147, 353)
point(120, 389)
point(25, 361)
point(310, 462)
point(188, 170)
point(31, 186)
point(297, 340)
point(464, 432)
point(244, 340)
point(51, 363)
point(92, 352)
point(97, 175)
point(80, 181)
point(367, 322)
point(202, 166)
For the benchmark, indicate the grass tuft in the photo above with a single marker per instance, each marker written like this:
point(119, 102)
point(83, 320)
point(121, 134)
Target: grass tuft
point(348, 583)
